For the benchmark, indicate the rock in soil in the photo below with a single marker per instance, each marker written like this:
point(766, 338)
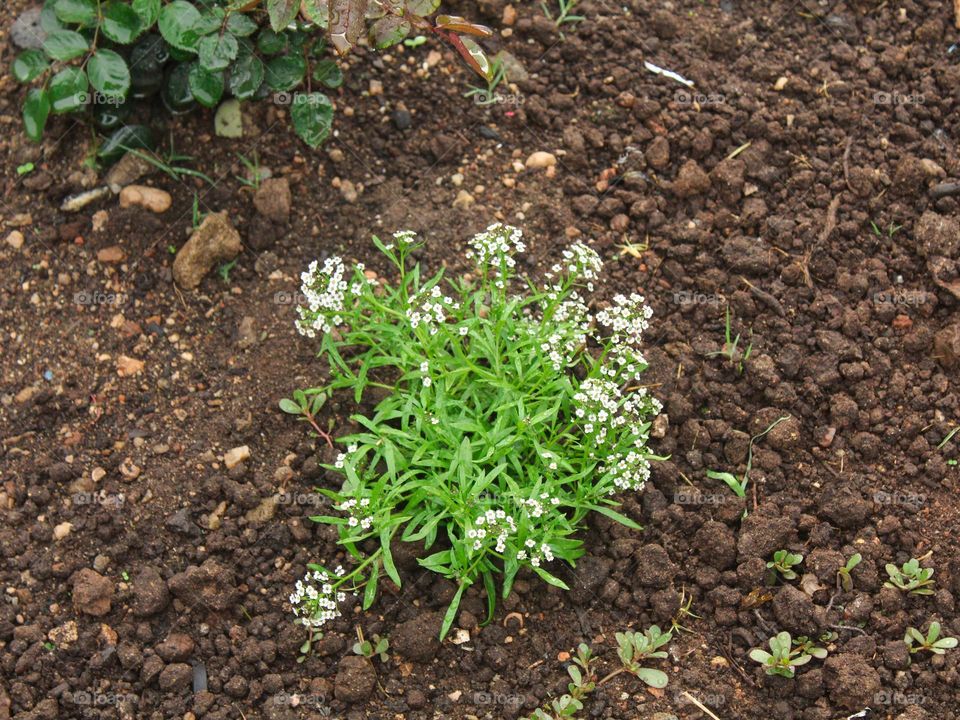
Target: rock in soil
point(150, 594)
point(417, 639)
point(214, 242)
point(210, 585)
point(796, 612)
point(851, 680)
point(176, 677)
point(128, 170)
point(149, 198)
point(273, 199)
point(355, 679)
point(946, 346)
point(937, 234)
point(92, 592)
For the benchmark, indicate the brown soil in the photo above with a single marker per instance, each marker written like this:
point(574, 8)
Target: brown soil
point(745, 192)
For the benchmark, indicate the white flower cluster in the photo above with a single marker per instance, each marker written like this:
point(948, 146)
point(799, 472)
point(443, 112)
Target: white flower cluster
point(324, 289)
point(569, 324)
point(359, 511)
point(579, 263)
point(342, 457)
point(496, 246)
point(627, 318)
point(430, 309)
point(425, 373)
point(534, 554)
point(492, 524)
point(535, 506)
point(403, 238)
point(314, 606)
point(629, 470)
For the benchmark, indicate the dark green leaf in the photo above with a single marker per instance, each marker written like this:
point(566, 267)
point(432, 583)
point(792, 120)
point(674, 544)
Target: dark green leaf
point(211, 20)
point(240, 25)
point(370, 592)
point(271, 43)
point(176, 93)
point(328, 73)
point(423, 8)
point(76, 12)
point(282, 12)
point(65, 45)
point(148, 11)
point(451, 613)
point(206, 86)
point(246, 77)
point(346, 23)
point(614, 515)
point(36, 110)
point(285, 72)
point(68, 90)
point(216, 51)
point(49, 22)
point(312, 115)
point(29, 65)
point(388, 563)
point(388, 31)
point(121, 23)
point(109, 74)
point(179, 24)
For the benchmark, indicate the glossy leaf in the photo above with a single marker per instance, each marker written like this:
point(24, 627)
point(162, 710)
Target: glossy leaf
point(207, 87)
point(148, 11)
point(109, 73)
point(270, 42)
point(312, 115)
point(76, 12)
point(240, 25)
point(68, 90)
point(179, 24)
point(29, 65)
point(217, 51)
point(285, 72)
point(65, 45)
point(474, 55)
point(121, 23)
point(346, 23)
point(388, 31)
point(36, 110)
point(282, 12)
point(246, 76)
point(328, 73)
point(457, 24)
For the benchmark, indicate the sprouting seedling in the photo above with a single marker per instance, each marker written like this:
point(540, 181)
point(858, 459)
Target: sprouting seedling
point(844, 579)
point(563, 16)
point(224, 270)
point(369, 649)
point(805, 646)
point(582, 683)
point(731, 346)
point(415, 42)
point(488, 95)
point(910, 577)
point(892, 229)
point(783, 562)
point(932, 642)
point(783, 658)
point(739, 486)
point(307, 404)
point(254, 173)
point(686, 602)
point(634, 648)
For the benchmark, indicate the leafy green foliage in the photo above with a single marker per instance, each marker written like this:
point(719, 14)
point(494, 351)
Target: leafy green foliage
point(583, 681)
point(910, 577)
point(844, 577)
point(785, 655)
point(634, 648)
point(511, 412)
point(783, 562)
point(931, 642)
point(375, 647)
point(196, 52)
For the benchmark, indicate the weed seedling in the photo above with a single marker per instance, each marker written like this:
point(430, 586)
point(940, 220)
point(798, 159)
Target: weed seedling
point(783, 562)
point(892, 229)
point(844, 579)
point(582, 682)
point(731, 346)
point(224, 270)
point(783, 658)
point(932, 642)
point(377, 647)
point(806, 646)
point(488, 95)
point(634, 648)
point(562, 16)
point(254, 174)
point(910, 577)
point(739, 486)
point(686, 602)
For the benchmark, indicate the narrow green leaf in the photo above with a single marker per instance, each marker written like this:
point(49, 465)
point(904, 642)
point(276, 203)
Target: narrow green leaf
point(451, 613)
point(370, 592)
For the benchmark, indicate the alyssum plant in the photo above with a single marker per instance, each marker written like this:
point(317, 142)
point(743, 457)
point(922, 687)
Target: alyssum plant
point(511, 412)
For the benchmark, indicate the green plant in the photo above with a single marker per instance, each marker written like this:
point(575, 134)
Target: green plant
point(98, 57)
point(508, 413)
point(488, 95)
point(910, 577)
point(25, 169)
point(562, 16)
point(634, 648)
point(739, 486)
point(582, 683)
point(169, 163)
point(731, 346)
point(783, 562)
point(932, 642)
point(784, 657)
point(686, 602)
point(377, 647)
point(806, 646)
point(225, 268)
point(844, 579)
point(892, 229)
point(254, 175)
